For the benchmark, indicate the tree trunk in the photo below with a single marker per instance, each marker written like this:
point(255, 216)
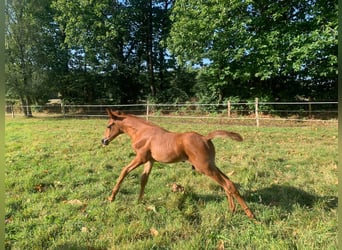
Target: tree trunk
point(26, 106)
point(150, 49)
point(25, 99)
point(162, 49)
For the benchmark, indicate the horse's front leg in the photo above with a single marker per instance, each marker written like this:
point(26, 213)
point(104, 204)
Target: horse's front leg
point(144, 178)
point(125, 171)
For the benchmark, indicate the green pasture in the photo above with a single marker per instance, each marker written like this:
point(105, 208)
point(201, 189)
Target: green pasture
point(58, 177)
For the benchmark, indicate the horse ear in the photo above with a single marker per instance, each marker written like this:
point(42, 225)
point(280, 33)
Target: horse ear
point(114, 114)
point(109, 112)
point(118, 115)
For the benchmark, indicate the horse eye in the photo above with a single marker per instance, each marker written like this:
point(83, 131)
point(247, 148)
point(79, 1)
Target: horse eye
point(109, 126)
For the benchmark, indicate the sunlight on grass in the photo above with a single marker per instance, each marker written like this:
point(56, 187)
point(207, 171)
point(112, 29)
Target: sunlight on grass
point(58, 177)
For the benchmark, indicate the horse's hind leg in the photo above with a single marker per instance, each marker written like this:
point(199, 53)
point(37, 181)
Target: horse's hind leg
point(223, 181)
point(144, 178)
point(230, 189)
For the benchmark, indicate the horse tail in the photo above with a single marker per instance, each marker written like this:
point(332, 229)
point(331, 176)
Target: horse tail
point(223, 133)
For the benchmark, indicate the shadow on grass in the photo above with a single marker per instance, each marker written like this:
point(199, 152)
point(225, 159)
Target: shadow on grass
point(285, 197)
point(70, 246)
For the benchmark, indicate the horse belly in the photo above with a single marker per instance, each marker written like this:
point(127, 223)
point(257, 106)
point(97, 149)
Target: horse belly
point(168, 153)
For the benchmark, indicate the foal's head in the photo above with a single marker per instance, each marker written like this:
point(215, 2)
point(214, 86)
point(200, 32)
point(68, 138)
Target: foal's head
point(113, 128)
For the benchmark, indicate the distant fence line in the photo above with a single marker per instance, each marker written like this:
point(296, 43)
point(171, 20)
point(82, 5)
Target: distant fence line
point(255, 112)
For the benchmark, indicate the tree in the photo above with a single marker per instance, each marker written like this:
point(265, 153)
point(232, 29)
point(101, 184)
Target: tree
point(33, 55)
point(276, 49)
point(20, 52)
point(120, 41)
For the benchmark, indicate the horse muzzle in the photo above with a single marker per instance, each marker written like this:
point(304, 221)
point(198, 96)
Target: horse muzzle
point(105, 141)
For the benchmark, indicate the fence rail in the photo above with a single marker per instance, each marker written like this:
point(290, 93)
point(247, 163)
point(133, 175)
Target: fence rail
point(250, 113)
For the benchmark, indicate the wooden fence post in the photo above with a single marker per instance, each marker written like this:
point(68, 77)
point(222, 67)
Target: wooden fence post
point(257, 111)
point(12, 110)
point(229, 108)
point(62, 109)
point(310, 108)
point(147, 110)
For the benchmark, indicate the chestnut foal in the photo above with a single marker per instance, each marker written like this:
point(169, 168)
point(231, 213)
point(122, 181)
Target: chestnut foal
point(153, 143)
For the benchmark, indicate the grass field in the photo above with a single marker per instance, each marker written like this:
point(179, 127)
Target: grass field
point(58, 177)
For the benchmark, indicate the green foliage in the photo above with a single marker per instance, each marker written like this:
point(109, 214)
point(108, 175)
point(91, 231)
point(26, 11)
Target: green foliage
point(116, 38)
point(34, 60)
point(56, 188)
point(170, 51)
point(273, 47)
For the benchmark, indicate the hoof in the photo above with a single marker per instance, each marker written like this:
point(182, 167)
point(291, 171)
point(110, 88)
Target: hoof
point(110, 198)
point(252, 217)
point(248, 212)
